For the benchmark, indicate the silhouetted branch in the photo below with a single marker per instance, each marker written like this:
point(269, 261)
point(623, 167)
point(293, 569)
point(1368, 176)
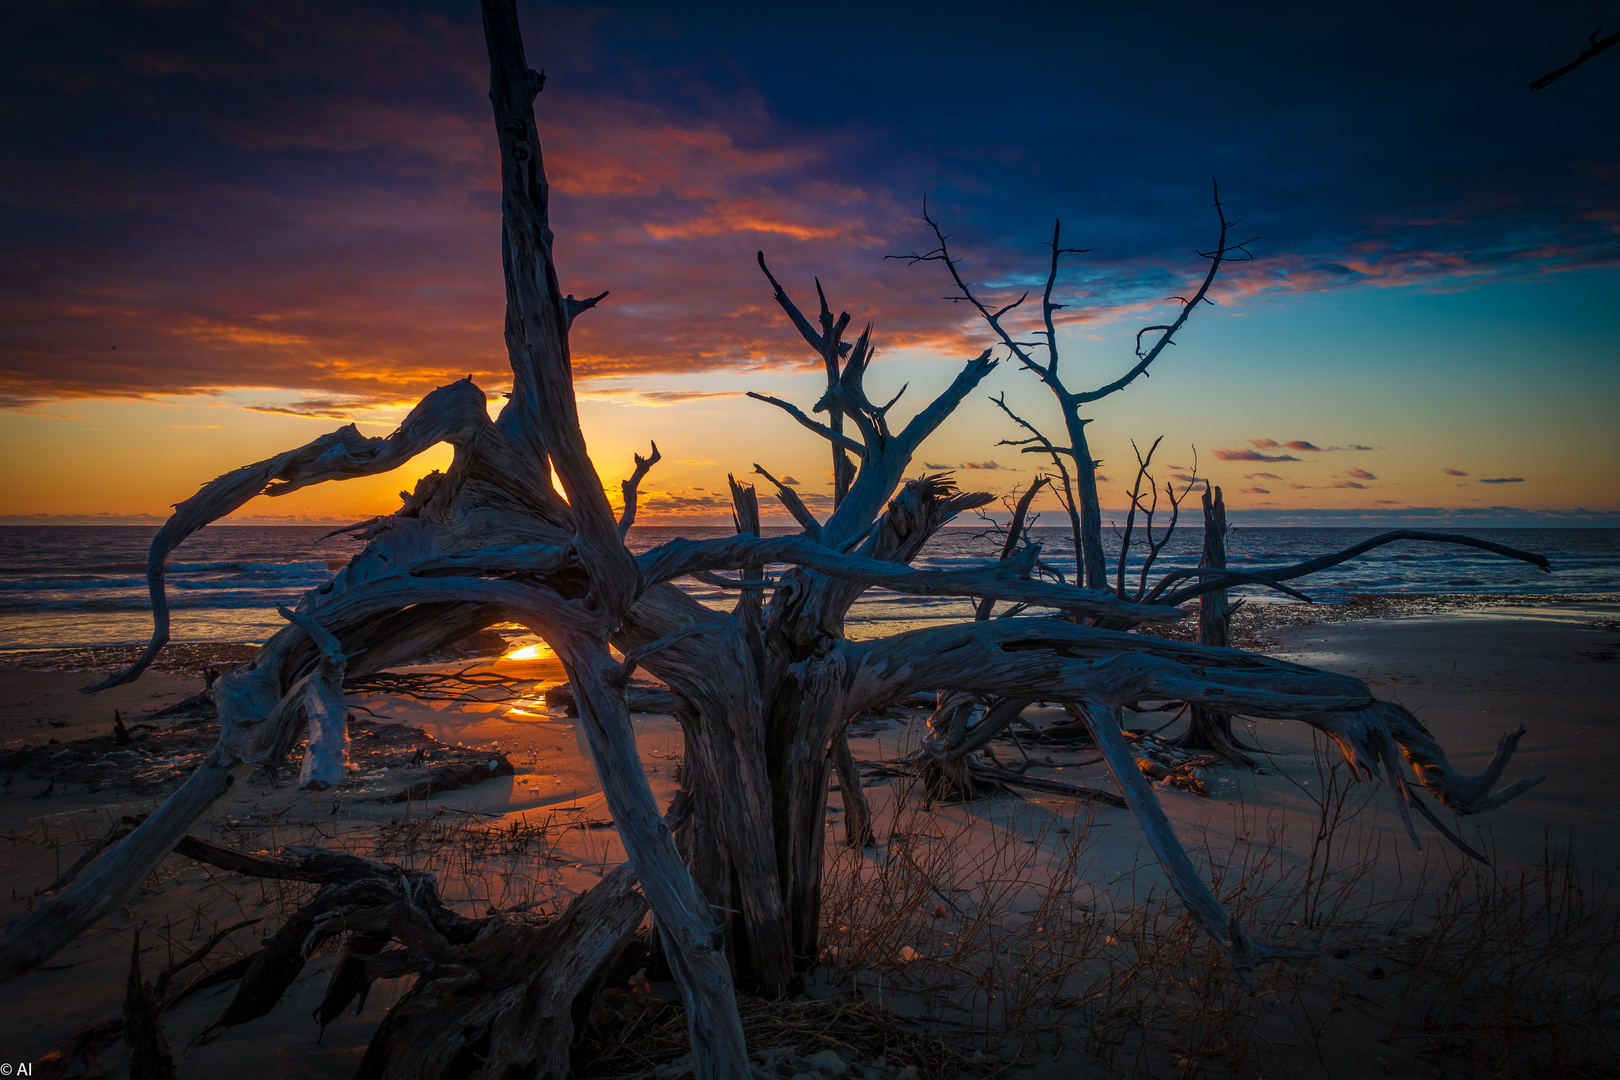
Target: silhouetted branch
point(627, 516)
point(1311, 566)
point(834, 437)
point(1592, 49)
point(794, 504)
point(572, 307)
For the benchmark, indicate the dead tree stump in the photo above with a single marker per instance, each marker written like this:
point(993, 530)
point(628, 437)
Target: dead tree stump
point(1207, 729)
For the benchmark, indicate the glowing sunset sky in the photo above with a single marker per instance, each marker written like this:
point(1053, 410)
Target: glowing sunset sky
point(227, 228)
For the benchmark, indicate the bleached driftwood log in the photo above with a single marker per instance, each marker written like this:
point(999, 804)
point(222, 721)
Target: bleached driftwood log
point(764, 691)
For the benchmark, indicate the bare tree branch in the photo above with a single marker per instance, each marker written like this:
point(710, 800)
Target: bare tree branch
point(627, 517)
point(573, 307)
point(1311, 566)
point(1222, 252)
point(834, 437)
point(1593, 48)
point(1015, 535)
point(794, 504)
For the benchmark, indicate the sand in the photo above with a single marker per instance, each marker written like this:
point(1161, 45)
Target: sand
point(1470, 676)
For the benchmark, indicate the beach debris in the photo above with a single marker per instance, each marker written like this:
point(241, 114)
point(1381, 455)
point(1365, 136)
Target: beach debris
point(149, 1055)
point(87, 1042)
point(391, 762)
point(640, 696)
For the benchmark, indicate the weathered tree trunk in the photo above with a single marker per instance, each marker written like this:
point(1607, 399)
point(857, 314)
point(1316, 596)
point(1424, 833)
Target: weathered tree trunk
point(1094, 568)
point(1211, 730)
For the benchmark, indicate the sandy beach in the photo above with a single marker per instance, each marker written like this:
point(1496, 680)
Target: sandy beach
point(1470, 675)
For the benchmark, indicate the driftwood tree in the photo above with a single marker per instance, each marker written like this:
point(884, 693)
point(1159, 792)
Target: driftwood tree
point(733, 874)
point(1074, 482)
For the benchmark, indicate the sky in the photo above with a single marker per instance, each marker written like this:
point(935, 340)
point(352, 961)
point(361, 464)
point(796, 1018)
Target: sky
point(226, 228)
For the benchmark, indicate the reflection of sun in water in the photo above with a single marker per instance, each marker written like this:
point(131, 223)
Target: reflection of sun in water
point(538, 651)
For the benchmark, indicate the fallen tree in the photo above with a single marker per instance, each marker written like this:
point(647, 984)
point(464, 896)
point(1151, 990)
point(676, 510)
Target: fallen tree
point(763, 691)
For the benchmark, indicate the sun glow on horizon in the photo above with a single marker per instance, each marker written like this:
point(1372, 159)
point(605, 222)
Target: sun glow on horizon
point(538, 651)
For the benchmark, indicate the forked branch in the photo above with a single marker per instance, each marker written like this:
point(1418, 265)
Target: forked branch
point(629, 487)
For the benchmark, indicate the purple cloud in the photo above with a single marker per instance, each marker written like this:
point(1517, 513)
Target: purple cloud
point(1252, 455)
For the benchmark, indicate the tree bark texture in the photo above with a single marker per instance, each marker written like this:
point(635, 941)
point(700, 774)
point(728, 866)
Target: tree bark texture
point(1210, 730)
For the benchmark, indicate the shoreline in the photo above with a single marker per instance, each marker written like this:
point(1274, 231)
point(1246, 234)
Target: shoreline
point(1253, 627)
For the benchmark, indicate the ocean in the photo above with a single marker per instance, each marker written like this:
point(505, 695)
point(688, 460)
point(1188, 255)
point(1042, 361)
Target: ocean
point(81, 586)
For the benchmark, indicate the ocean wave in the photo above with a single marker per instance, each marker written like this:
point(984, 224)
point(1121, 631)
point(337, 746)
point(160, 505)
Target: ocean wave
point(260, 581)
point(140, 602)
point(241, 567)
point(73, 582)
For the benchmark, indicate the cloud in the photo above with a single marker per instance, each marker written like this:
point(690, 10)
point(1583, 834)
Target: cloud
point(988, 465)
point(789, 480)
point(1501, 479)
point(1386, 502)
point(1302, 445)
point(1361, 474)
point(632, 395)
point(680, 502)
point(1476, 516)
point(1453, 472)
point(1350, 484)
point(1255, 491)
point(1252, 455)
point(1261, 476)
point(316, 408)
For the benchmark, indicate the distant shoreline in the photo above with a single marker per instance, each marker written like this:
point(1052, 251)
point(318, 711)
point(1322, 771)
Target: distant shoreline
point(1251, 627)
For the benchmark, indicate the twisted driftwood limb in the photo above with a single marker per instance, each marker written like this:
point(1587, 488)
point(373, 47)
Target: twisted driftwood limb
point(1105, 669)
point(33, 938)
point(1323, 562)
point(1240, 950)
point(453, 414)
point(326, 753)
point(504, 999)
point(630, 488)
